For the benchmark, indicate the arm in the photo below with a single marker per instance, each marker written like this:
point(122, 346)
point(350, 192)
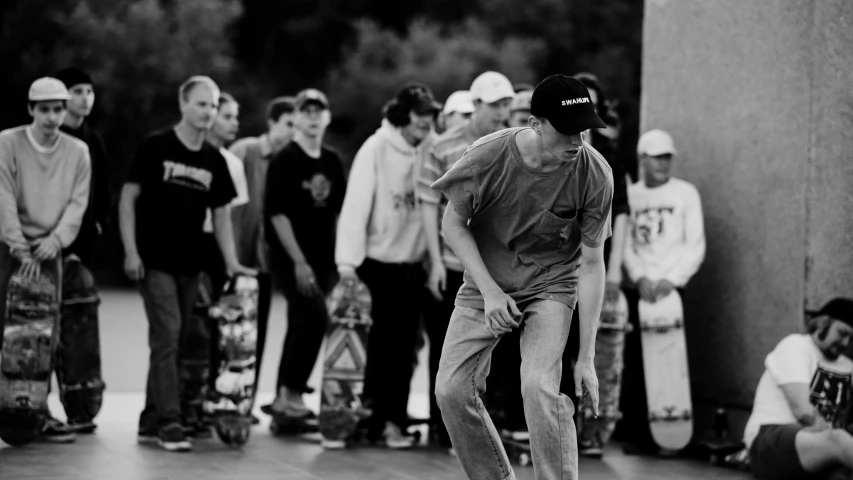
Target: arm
point(431, 170)
point(284, 232)
point(693, 251)
point(100, 184)
point(127, 224)
point(590, 297)
point(617, 249)
point(797, 395)
point(351, 244)
point(72, 217)
point(10, 223)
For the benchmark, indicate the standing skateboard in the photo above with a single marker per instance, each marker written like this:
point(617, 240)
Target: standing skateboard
point(666, 371)
point(229, 402)
point(30, 335)
point(194, 361)
point(341, 407)
point(609, 346)
point(78, 359)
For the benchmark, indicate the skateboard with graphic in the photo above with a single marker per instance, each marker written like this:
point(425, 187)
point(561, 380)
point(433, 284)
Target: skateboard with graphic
point(594, 432)
point(78, 359)
point(341, 406)
point(235, 318)
point(30, 335)
point(665, 365)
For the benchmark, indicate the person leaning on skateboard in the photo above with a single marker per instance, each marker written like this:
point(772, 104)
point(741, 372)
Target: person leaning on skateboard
point(530, 213)
point(174, 178)
point(44, 191)
point(796, 428)
point(664, 249)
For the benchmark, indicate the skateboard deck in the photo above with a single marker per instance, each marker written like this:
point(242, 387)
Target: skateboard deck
point(78, 359)
point(609, 347)
point(30, 336)
point(666, 370)
point(229, 402)
point(344, 359)
point(194, 361)
point(518, 451)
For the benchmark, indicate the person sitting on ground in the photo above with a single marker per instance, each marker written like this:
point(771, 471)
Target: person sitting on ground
point(796, 429)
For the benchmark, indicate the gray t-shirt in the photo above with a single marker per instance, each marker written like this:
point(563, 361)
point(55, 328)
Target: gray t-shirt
point(528, 224)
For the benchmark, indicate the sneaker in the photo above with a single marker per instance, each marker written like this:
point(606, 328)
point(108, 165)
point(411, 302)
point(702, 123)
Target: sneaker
point(54, 431)
point(332, 444)
point(147, 436)
point(290, 404)
point(394, 437)
point(255, 420)
point(82, 426)
point(172, 439)
point(591, 447)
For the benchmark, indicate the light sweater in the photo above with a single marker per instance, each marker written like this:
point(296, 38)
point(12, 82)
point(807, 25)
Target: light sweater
point(43, 191)
point(667, 235)
point(379, 218)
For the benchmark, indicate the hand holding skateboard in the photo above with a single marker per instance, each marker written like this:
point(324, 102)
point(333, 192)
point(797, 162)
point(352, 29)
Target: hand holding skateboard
point(500, 310)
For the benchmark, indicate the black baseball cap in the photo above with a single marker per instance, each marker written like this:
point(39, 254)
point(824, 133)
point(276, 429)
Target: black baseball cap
point(418, 98)
point(565, 102)
point(311, 95)
point(840, 309)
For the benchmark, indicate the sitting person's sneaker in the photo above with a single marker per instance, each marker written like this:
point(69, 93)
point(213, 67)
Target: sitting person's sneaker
point(394, 437)
point(54, 431)
point(171, 438)
point(81, 426)
point(591, 447)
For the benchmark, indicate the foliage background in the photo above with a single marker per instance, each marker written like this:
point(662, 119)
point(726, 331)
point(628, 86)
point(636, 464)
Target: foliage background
point(358, 51)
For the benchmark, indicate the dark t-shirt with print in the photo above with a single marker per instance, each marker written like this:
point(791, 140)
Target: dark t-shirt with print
point(178, 185)
point(309, 192)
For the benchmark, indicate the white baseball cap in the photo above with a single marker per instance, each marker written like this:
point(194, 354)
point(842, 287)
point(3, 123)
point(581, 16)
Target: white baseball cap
point(655, 142)
point(48, 88)
point(459, 101)
point(490, 87)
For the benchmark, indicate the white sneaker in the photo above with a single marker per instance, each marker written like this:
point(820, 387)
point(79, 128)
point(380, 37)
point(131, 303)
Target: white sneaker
point(333, 444)
point(394, 438)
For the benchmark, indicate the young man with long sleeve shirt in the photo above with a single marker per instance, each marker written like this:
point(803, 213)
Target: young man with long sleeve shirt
point(381, 240)
point(492, 93)
point(174, 178)
point(531, 211)
point(44, 192)
point(664, 248)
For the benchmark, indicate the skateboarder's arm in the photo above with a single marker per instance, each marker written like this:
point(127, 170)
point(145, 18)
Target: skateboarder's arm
point(797, 395)
point(72, 217)
point(284, 232)
point(617, 249)
point(10, 223)
point(590, 297)
point(127, 217)
point(224, 232)
point(462, 242)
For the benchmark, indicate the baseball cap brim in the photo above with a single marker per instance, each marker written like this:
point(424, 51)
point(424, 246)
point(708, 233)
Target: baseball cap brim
point(49, 98)
point(426, 106)
point(577, 123)
point(313, 101)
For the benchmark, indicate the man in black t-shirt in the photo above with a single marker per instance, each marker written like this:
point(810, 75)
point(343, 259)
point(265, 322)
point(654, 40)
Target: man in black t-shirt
point(174, 178)
point(304, 194)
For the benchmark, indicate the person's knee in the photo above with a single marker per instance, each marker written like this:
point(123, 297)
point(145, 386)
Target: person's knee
point(449, 390)
point(837, 440)
point(535, 385)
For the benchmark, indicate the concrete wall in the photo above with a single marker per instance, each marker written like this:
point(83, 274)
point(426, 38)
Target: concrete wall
point(758, 96)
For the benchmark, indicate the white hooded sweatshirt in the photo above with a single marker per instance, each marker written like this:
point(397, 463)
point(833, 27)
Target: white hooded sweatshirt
point(379, 219)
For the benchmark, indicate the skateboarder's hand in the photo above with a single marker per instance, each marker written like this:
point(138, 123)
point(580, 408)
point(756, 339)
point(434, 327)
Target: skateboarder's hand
point(30, 267)
point(47, 248)
point(664, 287)
point(306, 282)
point(437, 280)
point(133, 267)
point(237, 269)
point(647, 290)
point(584, 374)
point(500, 310)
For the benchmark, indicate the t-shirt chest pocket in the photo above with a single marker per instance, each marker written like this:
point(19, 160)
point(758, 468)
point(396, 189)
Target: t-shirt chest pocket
point(553, 231)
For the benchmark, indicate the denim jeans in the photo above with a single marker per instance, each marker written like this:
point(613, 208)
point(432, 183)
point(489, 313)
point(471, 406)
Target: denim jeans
point(465, 362)
point(169, 300)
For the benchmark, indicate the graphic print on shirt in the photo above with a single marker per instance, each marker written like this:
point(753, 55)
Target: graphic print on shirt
point(320, 188)
point(829, 392)
point(186, 176)
point(404, 201)
point(651, 223)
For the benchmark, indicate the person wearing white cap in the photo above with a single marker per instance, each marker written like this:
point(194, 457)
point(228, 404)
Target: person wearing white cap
point(174, 178)
point(519, 111)
point(44, 191)
point(664, 249)
point(457, 109)
point(490, 96)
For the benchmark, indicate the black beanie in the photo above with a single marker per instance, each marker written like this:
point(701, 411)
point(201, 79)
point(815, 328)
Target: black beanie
point(840, 309)
point(73, 76)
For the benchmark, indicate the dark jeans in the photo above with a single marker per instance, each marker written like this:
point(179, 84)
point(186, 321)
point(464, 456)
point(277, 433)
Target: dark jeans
point(437, 318)
point(307, 320)
point(168, 300)
point(397, 293)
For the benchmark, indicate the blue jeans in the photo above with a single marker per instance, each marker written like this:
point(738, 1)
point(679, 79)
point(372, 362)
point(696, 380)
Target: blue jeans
point(169, 300)
point(465, 362)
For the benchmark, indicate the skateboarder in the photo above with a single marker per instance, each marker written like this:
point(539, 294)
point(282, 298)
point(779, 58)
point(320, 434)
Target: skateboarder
point(381, 241)
point(457, 110)
point(82, 92)
point(797, 425)
point(44, 191)
point(664, 248)
point(256, 154)
point(491, 93)
point(174, 178)
point(304, 193)
point(531, 210)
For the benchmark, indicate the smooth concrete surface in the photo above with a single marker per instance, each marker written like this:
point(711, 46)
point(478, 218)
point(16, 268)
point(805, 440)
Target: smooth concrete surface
point(757, 96)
